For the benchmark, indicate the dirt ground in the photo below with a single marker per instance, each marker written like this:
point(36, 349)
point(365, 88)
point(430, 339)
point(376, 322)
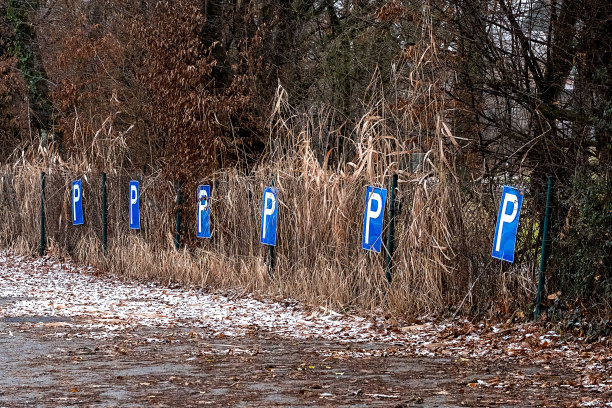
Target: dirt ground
point(46, 363)
point(72, 338)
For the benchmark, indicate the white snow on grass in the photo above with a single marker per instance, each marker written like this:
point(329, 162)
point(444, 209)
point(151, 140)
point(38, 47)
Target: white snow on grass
point(106, 306)
point(42, 287)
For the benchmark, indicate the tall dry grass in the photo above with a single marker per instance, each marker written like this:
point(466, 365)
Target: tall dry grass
point(444, 226)
point(442, 233)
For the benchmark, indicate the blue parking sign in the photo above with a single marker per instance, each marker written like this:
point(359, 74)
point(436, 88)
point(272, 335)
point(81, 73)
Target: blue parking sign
point(504, 240)
point(134, 205)
point(203, 215)
point(77, 203)
point(373, 218)
point(268, 216)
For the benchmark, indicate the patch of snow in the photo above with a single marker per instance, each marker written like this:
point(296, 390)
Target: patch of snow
point(105, 306)
point(42, 287)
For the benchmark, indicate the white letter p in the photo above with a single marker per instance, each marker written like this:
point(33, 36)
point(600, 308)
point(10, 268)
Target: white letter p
point(268, 211)
point(372, 214)
point(506, 218)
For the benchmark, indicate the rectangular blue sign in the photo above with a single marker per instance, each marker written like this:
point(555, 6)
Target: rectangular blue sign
point(77, 203)
point(373, 218)
point(504, 240)
point(203, 215)
point(134, 205)
point(268, 216)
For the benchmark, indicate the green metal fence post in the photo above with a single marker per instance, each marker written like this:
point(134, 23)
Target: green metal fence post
point(104, 215)
point(271, 263)
point(544, 252)
point(42, 214)
point(177, 238)
point(391, 235)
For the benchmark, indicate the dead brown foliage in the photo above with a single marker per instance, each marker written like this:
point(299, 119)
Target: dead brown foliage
point(158, 105)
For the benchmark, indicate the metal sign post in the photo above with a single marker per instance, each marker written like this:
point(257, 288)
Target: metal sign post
point(177, 237)
point(104, 215)
point(391, 237)
point(42, 214)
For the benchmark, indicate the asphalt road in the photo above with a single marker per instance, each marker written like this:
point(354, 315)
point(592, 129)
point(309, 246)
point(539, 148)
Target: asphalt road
point(49, 362)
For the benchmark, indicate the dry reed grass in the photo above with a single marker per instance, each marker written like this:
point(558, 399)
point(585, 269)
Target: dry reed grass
point(443, 229)
point(441, 246)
